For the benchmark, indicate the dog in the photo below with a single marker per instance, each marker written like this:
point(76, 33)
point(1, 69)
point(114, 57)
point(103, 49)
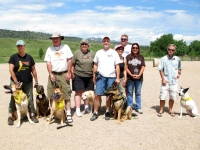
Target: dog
point(42, 102)
point(117, 100)
point(127, 114)
point(188, 103)
point(58, 105)
point(90, 96)
point(21, 101)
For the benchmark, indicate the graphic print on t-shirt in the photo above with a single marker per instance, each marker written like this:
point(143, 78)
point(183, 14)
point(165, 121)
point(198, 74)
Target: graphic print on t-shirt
point(134, 62)
point(23, 65)
point(57, 54)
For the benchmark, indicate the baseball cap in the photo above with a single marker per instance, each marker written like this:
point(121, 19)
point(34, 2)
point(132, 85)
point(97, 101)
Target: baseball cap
point(20, 42)
point(118, 46)
point(106, 37)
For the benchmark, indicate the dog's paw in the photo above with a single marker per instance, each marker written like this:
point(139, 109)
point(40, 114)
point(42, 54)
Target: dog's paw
point(31, 122)
point(18, 125)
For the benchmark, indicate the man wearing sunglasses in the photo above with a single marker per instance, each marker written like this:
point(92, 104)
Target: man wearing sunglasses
point(124, 43)
point(170, 70)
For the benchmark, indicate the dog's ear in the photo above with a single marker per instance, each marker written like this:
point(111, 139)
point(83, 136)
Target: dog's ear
point(185, 90)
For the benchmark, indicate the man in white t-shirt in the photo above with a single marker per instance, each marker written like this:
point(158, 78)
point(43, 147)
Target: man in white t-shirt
point(58, 59)
point(106, 71)
point(127, 47)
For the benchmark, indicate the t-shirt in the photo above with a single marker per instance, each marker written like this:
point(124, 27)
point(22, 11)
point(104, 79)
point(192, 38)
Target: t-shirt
point(83, 63)
point(134, 65)
point(107, 59)
point(58, 57)
point(22, 67)
point(127, 50)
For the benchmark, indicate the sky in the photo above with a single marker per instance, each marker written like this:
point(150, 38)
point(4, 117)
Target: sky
point(142, 20)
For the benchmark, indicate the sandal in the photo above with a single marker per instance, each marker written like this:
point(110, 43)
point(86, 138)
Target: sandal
point(172, 114)
point(159, 114)
point(69, 119)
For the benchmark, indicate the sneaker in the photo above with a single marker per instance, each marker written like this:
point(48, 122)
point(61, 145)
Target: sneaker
point(34, 119)
point(87, 110)
point(107, 116)
point(78, 114)
point(94, 117)
point(10, 121)
point(139, 111)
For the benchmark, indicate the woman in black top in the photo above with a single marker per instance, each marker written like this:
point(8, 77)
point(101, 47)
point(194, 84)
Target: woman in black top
point(22, 69)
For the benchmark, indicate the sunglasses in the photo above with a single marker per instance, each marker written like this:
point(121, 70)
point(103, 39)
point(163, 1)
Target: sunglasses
point(122, 39)
point(171, 50)
point(120, 49)
point(84, 44)
point(134, 47)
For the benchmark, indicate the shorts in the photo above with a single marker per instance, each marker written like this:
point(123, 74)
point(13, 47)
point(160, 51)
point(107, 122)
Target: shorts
point(61, 81)
point(102, 84)
point(169, 92)
point(82, 83)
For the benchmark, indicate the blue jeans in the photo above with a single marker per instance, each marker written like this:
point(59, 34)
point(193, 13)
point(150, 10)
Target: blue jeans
point(102, 84)
point(137, 84)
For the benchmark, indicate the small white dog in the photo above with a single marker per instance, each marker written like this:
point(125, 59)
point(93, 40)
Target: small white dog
point(90, 96)
point(187, 103)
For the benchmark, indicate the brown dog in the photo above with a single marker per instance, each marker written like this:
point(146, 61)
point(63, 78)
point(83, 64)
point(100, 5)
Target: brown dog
point(58, 105)
point(117, 102)
point(42, 102)
point(21, 101)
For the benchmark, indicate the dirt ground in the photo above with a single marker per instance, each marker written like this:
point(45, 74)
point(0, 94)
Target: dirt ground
point(146, 132)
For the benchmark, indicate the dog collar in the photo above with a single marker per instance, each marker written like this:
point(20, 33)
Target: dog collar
point(17, 98)
point(60, 104)
point(187, 99)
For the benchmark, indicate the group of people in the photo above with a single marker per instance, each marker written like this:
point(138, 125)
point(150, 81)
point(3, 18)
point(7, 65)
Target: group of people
point(124, 64)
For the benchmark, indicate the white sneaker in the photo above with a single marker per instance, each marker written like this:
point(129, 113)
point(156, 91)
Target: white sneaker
point(78, 114)
point(139, 111)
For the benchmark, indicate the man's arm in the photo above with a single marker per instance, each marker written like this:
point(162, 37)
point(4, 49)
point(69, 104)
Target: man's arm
point(69, 66)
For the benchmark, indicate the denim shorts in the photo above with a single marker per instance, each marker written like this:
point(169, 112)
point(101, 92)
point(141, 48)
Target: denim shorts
point(102, 84)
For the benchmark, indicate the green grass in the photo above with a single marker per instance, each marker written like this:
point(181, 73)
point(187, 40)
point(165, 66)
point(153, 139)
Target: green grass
point(8, 47)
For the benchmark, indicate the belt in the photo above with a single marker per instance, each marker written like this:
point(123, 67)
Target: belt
point(59, 73)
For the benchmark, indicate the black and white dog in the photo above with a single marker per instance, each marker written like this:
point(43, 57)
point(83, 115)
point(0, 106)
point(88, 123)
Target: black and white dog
point(188, 103)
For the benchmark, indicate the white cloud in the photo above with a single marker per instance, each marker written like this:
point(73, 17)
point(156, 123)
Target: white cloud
point(142, 25)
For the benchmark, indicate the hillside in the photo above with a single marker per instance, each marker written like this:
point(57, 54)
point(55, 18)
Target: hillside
point(37, 40)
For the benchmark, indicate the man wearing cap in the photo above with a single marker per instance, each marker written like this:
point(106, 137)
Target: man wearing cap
point(58, 59)
point(22, 69)
point(106, 71)
point(82, 74)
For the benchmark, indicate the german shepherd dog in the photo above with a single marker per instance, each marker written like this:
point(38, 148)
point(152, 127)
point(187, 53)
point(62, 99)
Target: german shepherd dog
point(21, 101)
point(58, 105)
point(42, 102)
point(117, 100)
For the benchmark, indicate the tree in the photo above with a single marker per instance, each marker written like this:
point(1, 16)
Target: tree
point(41, 53)
point(181, 48)
point(194, 48)
point(159, 46)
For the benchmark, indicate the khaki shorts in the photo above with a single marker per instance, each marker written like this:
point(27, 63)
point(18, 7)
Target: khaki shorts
point(61, 81)
point(169, 92)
